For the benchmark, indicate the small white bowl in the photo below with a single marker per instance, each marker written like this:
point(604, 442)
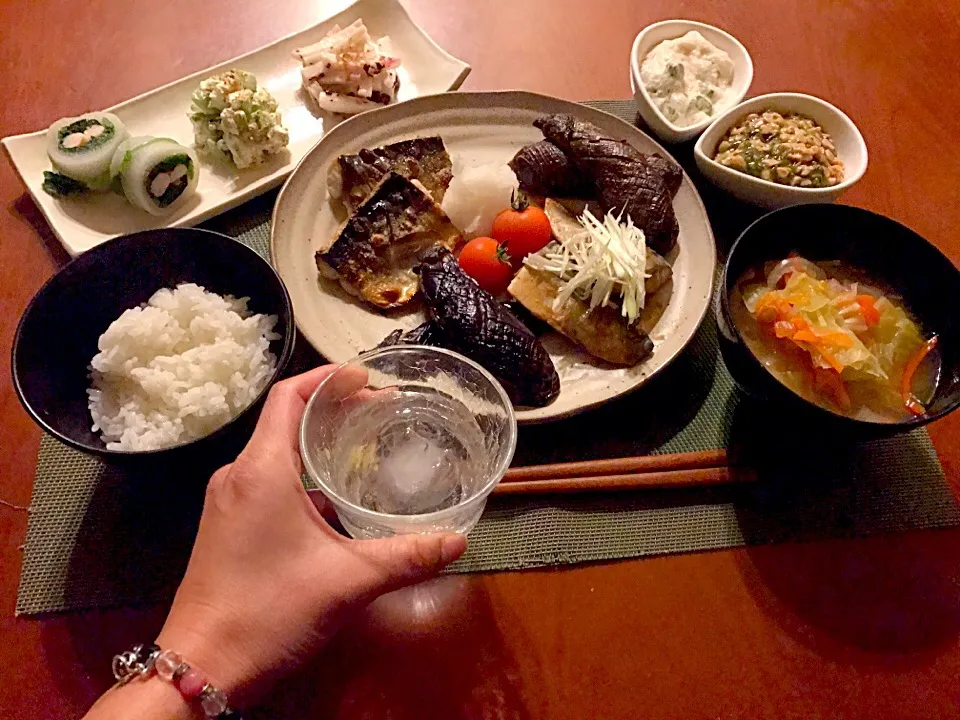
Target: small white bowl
point(850, 148)
point(653, 35)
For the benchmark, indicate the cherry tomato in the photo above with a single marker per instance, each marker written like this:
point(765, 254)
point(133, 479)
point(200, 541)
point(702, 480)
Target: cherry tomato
point(523, 229)
point(487, 262)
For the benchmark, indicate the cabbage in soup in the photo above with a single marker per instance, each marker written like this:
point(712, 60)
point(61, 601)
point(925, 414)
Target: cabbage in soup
point(834, 337)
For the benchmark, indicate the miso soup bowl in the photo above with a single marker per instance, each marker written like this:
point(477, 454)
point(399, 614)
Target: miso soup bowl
point(885, 250)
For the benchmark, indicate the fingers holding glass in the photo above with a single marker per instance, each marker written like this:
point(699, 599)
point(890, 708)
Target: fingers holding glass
point(275, 439)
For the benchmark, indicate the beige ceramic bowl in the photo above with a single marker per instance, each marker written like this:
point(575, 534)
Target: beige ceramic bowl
point(653, 35)
point(851, 150)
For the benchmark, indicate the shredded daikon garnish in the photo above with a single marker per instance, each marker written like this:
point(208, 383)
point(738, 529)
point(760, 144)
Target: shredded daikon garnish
point(605, 262)
point(348, 71)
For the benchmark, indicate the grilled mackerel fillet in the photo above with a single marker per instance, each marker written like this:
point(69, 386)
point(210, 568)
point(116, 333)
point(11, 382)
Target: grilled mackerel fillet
point(565, 225)
point(353, 178)
point(376, 249)
point(601, 331)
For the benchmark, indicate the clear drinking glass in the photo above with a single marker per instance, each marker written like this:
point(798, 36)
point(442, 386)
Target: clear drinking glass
point(408, 439)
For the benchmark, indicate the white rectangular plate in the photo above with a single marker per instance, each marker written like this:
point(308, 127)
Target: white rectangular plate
point(82, 223)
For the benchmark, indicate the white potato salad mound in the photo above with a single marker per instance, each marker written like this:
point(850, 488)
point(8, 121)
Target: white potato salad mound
point(688, 78)
point(232, 116)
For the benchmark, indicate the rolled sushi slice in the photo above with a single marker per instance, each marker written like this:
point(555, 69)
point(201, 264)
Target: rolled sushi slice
point(156, 174)
point(81, 148)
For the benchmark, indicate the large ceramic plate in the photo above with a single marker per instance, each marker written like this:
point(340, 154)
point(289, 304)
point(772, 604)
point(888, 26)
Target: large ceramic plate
point(82, 224)
point(477, 128)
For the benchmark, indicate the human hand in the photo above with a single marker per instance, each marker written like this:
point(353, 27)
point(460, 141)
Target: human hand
point(269, 581)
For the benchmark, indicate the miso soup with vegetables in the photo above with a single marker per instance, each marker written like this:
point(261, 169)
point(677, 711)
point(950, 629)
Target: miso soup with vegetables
point(831, 335)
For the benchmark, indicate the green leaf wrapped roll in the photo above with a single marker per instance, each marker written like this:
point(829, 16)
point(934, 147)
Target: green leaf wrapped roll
point(81, 148)
point(156, 174)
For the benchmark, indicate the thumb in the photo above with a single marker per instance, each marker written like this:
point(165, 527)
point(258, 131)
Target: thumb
point(389, 564)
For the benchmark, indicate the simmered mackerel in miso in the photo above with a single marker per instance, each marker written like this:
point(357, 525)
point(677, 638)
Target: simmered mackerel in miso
point(828, 333)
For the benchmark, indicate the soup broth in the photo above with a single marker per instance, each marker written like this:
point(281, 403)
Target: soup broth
point(837, 338)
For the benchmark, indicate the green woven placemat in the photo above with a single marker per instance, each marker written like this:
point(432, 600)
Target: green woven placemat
point(99, 536)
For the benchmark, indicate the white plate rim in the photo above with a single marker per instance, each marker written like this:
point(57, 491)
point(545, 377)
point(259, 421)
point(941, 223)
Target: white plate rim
point(250, 191)
point(526, 100)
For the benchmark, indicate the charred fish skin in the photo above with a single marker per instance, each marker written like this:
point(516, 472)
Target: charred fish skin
point(377, 248)
point(624, 180)
point(354, 177)
point(470, 321)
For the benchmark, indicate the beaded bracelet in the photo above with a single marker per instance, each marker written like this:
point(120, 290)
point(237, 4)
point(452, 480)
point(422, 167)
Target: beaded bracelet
point(144, 660)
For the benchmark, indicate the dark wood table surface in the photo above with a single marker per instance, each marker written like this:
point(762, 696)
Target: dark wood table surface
point(839, 629)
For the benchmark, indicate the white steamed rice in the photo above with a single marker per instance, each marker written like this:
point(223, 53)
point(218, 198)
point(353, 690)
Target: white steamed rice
point(178, 368)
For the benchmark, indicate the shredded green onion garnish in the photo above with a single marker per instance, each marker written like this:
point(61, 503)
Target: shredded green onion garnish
point(605, 262)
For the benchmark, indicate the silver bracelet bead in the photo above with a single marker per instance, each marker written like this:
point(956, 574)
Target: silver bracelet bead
point(213, 701)
point(167, 664)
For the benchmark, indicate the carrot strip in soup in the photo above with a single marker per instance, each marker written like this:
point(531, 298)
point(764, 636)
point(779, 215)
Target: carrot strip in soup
point(909, 370)
point(868, 308)
point(831, 360)
point(837, 339)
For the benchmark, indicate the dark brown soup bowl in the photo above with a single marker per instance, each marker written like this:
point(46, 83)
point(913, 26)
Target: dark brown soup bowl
point(57, 335)
point(882, 248)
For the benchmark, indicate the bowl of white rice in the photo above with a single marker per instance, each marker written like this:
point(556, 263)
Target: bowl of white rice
point(153, 343)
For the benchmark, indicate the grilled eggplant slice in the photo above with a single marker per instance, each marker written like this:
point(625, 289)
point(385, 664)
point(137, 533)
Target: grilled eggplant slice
point(376, 250)
point(423, 334)
point(470, 321)
point(669, 171)
point(543, 169)
point(624, 180)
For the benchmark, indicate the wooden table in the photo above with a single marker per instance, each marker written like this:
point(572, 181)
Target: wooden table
point(851, 629)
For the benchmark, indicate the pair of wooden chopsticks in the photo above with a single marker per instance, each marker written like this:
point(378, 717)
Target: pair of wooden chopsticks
point(653, 471)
